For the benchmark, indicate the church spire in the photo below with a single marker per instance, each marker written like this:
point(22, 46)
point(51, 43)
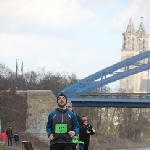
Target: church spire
point(141, 30)
point(130, 28)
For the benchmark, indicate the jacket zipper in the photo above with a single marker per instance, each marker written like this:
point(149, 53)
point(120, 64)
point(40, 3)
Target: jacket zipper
point(62, 118)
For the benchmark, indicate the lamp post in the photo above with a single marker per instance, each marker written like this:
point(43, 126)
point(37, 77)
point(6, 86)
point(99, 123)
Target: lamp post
point(16, 73)
point(22, 76)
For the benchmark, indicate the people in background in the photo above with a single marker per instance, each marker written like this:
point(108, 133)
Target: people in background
point(69, 106)
point(16, 138)
point(3, 137)
point(84, 134)
point(9, 135)
point(62, 125)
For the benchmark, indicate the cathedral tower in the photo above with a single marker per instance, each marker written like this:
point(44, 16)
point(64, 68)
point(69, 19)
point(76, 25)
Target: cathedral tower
point(134, 42)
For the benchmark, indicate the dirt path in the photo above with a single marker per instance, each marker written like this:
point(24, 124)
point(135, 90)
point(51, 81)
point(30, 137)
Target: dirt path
point(18, 148)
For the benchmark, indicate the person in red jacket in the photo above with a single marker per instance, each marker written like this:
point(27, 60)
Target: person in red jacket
point(3, 137)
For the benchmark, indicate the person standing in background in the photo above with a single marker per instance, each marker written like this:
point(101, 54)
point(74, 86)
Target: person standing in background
point(16, 138)
point(9, 135)
point(84, 134)
point(80, 122)
point(69, 106)
point(3, 137)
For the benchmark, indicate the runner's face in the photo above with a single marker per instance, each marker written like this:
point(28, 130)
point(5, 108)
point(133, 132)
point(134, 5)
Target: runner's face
point(84, 118)
point(61, 101)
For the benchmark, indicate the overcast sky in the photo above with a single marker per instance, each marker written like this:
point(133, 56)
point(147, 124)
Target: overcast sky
point(73, 36)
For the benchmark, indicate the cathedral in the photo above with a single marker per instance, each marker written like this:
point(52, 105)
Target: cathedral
point(134, 42)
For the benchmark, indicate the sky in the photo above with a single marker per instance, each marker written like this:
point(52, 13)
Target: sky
point(67, 36)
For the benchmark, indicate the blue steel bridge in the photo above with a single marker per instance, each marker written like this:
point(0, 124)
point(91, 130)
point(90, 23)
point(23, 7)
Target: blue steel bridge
point(80, 93)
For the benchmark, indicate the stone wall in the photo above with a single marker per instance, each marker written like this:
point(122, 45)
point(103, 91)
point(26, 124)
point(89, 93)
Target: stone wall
point(40, 104)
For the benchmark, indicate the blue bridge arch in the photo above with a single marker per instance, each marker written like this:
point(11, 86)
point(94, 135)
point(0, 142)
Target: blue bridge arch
point(79, 92)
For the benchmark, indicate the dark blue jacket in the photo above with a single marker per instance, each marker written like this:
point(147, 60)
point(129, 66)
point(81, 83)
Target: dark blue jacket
point(16, 137)
point(59, 116)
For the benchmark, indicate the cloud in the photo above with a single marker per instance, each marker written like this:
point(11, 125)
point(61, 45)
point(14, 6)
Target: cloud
point(54, 54)
point(81, 36)
point(59, 52)
point(44, 15)
point(134, 9)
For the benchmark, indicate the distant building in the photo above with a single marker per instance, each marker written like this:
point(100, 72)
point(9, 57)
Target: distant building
point(134, 42)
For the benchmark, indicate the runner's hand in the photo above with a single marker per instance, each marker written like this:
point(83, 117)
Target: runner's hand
point(51, 137)
point(71, 133)
point(87, 131)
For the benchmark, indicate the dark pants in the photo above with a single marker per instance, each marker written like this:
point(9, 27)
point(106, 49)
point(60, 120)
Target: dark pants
point(81, 146)
point(84, 146)
point(9, 140)
point(16, 142)
point(74, 146)
point(61, 146)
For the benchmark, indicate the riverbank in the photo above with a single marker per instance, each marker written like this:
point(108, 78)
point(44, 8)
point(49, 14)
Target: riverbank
point(111, 143)
point(18, 148)
point(97, 143)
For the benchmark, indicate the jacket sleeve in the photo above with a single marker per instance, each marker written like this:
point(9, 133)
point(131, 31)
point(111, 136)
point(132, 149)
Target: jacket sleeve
point(49, 122)
point(92, 131)
point(75, 123)
point(79, 120)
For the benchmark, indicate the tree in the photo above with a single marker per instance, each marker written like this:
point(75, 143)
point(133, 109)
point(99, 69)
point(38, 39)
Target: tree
point(7, 78)
point(13, 110)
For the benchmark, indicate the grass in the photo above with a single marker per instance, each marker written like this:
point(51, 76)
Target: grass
point(4, 148)
point(26, 137)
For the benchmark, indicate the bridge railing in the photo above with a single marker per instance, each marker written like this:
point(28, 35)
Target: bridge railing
point(110, 95)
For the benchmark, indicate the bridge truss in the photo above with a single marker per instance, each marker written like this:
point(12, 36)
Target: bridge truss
point(110, 74)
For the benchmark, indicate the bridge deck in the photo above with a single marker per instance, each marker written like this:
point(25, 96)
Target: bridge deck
point(100, 102)
point(129, 100)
